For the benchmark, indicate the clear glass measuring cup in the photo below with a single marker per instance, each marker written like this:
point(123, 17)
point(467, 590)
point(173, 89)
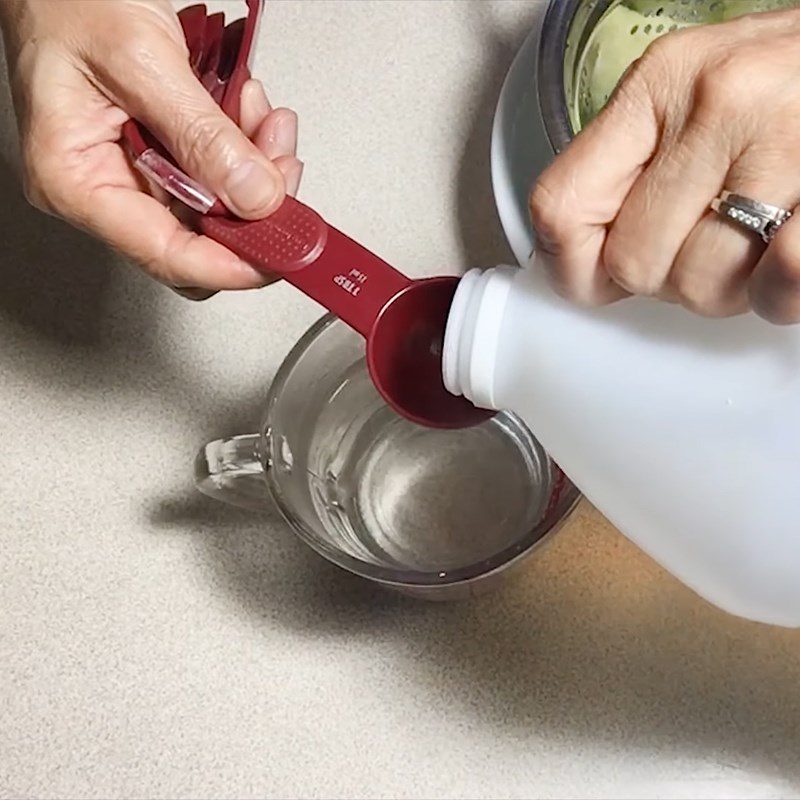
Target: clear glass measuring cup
point(433, 513)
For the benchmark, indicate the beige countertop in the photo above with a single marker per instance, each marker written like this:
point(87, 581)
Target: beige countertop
point(156, 644)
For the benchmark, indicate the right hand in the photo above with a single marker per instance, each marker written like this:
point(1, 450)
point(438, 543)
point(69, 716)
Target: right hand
point(79, 71)
point(625, 209)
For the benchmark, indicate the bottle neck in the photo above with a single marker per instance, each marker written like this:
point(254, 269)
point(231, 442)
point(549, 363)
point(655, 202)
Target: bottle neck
point(472, 335)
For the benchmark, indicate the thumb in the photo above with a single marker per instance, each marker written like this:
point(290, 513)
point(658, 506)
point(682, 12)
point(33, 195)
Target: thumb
point(160, 90)
point(575, 200)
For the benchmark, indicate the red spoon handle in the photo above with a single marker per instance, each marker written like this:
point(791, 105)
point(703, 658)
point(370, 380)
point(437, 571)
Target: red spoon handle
point(331, 268)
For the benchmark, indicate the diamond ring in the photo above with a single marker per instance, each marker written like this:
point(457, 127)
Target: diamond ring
point(753, 215)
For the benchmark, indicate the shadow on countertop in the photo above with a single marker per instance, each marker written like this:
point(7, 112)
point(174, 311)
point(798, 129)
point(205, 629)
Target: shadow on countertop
point(483, 242)
point(66, 295)
point(42, 291)
point(609, 650)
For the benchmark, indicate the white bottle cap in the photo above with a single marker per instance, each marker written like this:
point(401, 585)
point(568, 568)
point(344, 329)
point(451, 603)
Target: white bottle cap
point(472, 336)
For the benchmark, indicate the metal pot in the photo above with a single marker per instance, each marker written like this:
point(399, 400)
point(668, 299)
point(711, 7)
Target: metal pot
point(566, 28)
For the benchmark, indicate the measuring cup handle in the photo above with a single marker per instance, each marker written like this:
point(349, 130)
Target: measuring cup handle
point(331, 268)
point(231, 470)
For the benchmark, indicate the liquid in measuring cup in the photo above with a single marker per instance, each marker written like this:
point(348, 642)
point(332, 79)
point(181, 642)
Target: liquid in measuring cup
point(400, 495)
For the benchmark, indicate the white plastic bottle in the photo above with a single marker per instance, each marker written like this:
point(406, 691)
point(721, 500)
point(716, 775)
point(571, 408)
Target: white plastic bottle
point(683, 431)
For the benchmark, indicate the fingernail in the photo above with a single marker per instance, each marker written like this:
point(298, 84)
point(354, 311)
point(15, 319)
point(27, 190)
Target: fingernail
point(285, 136)
point(258, 277)
point(292, 176)
point(259, 99)
point(251, 188)
point(254, 107)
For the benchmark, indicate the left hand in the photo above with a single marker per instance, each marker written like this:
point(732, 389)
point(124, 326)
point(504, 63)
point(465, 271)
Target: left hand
point(78, 71)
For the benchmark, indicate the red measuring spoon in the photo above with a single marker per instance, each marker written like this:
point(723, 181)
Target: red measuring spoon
point(403, 320)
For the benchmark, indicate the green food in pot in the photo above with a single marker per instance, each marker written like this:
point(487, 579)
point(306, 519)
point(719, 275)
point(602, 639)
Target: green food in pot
point(626, 29)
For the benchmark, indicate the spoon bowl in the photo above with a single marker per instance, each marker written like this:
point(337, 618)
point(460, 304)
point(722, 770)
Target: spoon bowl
point(404, 356)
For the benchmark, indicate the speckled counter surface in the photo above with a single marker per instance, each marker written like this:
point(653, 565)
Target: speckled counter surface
point(156, 644)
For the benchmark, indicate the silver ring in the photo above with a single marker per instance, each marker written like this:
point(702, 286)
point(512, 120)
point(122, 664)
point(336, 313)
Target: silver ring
point(753, 215)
